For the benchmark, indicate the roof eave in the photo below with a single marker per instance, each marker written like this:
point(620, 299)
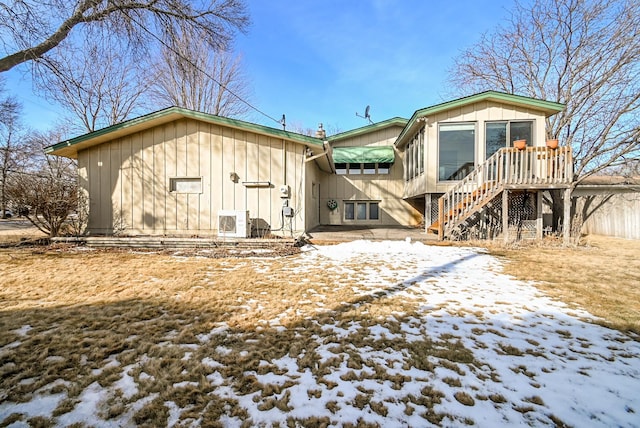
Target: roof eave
point(395, 121)
point(70, 148)
point(549, 108)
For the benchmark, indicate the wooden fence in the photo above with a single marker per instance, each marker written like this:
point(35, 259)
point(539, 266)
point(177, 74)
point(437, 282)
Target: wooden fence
point(617, 216)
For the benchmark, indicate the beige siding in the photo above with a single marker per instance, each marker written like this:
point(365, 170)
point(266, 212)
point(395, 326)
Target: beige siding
point(128, 180)
point(387, 188)
point(313, 186)
point(479, 113)
point(382, 137)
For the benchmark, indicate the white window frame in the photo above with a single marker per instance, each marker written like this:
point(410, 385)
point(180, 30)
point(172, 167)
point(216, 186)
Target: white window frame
point(414, 156)
point(508, 138)
point(474, 146)
point(359, 168)
point(188, 185)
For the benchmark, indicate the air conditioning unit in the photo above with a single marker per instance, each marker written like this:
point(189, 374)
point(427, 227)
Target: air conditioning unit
point(233, 223)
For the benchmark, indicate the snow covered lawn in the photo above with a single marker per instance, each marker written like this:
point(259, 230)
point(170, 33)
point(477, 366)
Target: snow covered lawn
point(356, 334)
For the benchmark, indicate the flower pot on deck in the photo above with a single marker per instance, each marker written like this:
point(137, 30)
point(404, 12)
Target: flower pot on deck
point(552, 144)
point(520, 144)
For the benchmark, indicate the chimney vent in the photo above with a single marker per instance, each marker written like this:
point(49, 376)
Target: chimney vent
point(321, 133)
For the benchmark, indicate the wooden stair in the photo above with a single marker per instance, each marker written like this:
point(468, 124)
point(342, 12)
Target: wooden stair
point(480, 192)
point(509, 168)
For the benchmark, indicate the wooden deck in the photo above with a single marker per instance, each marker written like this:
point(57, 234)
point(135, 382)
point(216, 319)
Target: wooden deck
point(531, 169)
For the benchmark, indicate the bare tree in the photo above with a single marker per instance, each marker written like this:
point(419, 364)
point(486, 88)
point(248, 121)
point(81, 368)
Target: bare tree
point(99, 83)
point(32, 28)
point(584, 54)
point(47, 191)
point(13, 152)
point(193, 75)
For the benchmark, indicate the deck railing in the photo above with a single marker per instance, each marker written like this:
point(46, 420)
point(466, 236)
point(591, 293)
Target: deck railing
point(532, 167)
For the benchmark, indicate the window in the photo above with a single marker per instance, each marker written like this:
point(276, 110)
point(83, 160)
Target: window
point(414, 156)
point(361, 210)
point(349, 213)
point(456, 145)
point(374, 213)
point(369, 168)
point(383, 168)
point(362, 168)
point(502, 134)
point(185, 184)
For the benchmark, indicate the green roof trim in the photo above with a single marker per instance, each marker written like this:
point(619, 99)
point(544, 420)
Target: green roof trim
point(174, 113)
point(362, 154)
point(396, 121)
point(548, 107)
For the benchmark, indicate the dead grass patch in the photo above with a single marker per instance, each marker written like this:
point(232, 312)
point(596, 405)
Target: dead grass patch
point(601, 275)
point(464, 398)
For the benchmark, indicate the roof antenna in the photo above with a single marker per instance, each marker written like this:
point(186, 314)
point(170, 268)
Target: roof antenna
point(366, 115)
point(283, 122)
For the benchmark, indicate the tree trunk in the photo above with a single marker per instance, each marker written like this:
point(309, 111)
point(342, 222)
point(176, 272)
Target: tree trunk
point(557, 210)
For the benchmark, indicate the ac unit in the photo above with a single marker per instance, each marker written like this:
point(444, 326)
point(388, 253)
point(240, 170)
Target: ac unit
point(233, 223)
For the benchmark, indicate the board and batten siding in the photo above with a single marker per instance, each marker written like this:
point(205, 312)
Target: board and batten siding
point(478, 113)
point(386, 188)
point(127, 180)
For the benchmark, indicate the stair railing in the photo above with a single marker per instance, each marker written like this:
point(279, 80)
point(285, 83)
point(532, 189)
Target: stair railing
point(535, 166)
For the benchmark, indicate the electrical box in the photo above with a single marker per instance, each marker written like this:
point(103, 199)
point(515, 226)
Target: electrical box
point(287, 211)
point(284, 191)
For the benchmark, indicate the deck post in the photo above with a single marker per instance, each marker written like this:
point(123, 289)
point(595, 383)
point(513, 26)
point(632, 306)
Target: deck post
point(441, 219)
point(539, 216)
point(566, 224)
point(427, 212)
point(505, 215)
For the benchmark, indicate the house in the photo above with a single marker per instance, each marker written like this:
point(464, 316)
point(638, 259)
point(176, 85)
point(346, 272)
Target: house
point(181, 172)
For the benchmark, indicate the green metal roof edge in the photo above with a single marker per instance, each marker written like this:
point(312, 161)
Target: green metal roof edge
point(399, 121)
point(235, 123)
point(547, 106)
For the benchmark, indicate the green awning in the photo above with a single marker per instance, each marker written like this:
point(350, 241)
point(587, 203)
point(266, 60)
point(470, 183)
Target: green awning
point(363, 154)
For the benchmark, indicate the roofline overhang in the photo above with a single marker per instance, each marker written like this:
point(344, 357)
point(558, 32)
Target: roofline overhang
point(549, 108)
point(395, 121)
point(69, 148)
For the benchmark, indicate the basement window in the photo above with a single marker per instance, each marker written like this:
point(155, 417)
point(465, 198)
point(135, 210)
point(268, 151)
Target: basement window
point(185, 184)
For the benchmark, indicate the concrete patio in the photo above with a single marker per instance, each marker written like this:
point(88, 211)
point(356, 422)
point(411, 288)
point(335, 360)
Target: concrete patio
point(352, 233)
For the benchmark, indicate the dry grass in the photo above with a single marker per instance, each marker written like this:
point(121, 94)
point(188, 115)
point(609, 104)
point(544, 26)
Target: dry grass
point(98, 315)
point(602, 275)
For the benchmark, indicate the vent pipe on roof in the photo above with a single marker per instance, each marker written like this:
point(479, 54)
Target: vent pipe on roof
point(321, 133)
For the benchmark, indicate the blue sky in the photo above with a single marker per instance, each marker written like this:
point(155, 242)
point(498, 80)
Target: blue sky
point(324, 61)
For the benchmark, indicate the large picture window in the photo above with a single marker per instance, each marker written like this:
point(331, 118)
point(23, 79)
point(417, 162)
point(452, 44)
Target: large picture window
point(456, 146)
point(502, 134)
